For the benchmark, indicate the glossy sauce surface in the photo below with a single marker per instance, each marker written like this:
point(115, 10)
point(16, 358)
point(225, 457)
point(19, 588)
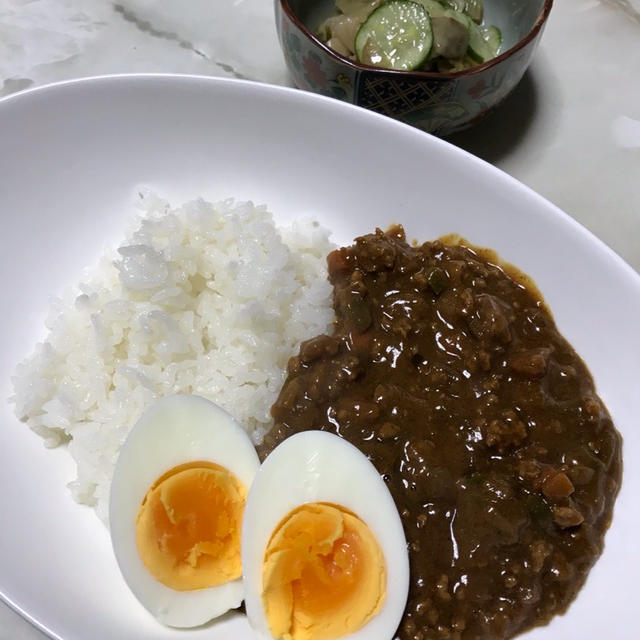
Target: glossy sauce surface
point(503, 462)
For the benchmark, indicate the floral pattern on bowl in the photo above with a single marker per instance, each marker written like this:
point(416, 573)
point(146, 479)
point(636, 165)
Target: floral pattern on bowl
point(311, 70)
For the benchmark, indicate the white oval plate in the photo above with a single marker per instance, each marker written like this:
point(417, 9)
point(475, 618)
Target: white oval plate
point(70, 158)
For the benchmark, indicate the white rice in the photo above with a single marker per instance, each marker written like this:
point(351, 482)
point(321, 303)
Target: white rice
point(210, 299)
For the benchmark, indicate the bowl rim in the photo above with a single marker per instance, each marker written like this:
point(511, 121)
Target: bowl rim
point(427, 75)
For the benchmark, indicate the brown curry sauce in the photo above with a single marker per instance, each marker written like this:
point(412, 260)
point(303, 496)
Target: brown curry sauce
point(450, 375)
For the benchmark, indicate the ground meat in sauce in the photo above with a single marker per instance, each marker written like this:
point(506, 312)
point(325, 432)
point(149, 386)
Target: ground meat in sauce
point(484, 423)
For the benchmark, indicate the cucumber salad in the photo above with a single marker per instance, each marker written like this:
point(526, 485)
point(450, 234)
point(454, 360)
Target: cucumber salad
point(407, 35)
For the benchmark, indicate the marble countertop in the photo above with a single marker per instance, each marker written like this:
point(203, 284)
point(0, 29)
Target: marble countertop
point(571, 129)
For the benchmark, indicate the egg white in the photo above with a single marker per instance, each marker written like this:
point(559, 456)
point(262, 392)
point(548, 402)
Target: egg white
point(175, 430)
point(315, 466)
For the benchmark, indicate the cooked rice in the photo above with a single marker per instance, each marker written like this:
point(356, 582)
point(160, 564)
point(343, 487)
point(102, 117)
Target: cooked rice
point(209, 299)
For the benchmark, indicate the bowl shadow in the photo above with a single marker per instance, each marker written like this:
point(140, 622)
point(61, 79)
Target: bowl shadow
point(505, 127)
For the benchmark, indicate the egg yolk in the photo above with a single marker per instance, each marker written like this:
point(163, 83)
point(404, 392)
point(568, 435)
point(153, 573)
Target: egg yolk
point(189, 524)
point(323, 576)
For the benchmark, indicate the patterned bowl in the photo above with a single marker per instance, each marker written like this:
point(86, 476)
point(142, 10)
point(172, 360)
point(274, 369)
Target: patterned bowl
point(440, 103)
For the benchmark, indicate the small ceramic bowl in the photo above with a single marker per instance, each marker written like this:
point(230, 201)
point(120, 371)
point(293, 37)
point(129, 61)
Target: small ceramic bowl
point(441, 103)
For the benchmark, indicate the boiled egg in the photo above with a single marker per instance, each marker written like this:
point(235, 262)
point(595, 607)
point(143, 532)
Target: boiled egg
point(176, 507)
point(323, 549)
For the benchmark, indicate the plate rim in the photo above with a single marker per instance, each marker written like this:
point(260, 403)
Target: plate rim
point(331, 103)
point(622, 267)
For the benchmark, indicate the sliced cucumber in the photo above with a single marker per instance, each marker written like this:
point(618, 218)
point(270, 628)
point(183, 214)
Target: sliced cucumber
point(472, 8)
point(458, 17)
point(479, 48)
point(434, 8)
point(397, 35)
point(481, 40)
point(456, 5)
point(358, 9)
point(450, 38)
point(475, 10)
point(492, 37)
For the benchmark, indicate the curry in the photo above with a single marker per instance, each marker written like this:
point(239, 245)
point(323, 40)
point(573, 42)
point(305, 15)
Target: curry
point(451, 376)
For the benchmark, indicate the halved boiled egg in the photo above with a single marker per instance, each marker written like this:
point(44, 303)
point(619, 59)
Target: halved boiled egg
point(176, 508)
point(323, 549)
